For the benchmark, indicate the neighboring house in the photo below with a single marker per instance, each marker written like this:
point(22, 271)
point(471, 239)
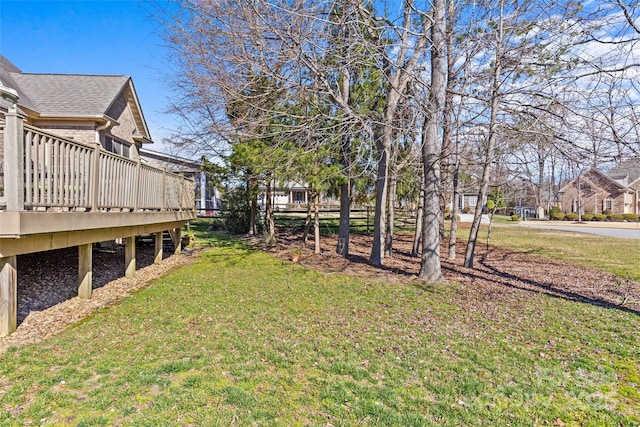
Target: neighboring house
point(207, 199)
point(71, 175)
point(467, 200)
point(292, 195)
point(617, 190)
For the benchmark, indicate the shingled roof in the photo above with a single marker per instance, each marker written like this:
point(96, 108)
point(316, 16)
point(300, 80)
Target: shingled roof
point(69, 94)
point(62, 94)
point(628, 170)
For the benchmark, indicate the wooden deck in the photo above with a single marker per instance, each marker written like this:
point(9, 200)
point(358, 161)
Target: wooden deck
point(57, 193)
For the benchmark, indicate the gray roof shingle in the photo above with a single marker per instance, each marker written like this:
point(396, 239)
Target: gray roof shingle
point(69, 94)
point(629, 168)
point(62, 94)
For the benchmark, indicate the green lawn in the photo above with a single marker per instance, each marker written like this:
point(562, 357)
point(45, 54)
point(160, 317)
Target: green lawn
point(240, 338)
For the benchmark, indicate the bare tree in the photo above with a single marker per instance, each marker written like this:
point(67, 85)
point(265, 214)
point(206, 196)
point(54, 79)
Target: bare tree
point(430, 270)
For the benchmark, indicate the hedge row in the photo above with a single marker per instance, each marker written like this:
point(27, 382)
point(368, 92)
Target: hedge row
point(590, 216)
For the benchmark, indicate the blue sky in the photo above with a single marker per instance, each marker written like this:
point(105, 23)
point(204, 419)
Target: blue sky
point(92, 37)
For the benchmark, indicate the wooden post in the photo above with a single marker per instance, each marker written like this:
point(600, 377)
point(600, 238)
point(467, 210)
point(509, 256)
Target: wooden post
point(136, 187)
point(158, 248)
point(178, 245)
point(163, 205)
point(85, 270)
point(14, 161)
point(176, 236)
point(368, 218)
point(94, 176)
point(8, 295)
point(130, 257)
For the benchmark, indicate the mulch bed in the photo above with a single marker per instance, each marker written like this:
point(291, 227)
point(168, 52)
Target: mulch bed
point(497, 272)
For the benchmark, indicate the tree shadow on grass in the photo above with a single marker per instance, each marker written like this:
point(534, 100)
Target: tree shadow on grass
point(601, 295)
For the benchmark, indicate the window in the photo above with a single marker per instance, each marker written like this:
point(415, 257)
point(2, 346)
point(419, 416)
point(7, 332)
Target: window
point(607, 204)
point(473, 201)
point(114, 146)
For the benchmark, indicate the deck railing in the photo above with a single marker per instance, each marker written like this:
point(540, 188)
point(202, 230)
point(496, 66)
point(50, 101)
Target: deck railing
point(43, 171)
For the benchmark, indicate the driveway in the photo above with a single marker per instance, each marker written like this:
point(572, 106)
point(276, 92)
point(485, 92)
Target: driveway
point(624, 230)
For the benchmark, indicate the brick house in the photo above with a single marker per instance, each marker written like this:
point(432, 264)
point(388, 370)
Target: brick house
point(617, 190)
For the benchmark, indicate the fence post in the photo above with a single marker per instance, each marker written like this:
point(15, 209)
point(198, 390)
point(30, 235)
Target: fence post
point(136, 193)
point(95, 178)
point(164, 190)
point(14, 159)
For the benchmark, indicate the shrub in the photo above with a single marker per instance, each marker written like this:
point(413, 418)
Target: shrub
point(556, 214)
point(236, 211)
point(631, 217)
point(615, 217)
point(587, 216)
point(599, 217)
point(607, 212)
point(573, 216)
point(515, 217)
point(466, 209)
point(448, 217)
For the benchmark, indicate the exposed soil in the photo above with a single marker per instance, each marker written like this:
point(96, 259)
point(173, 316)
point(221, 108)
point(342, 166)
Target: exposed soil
point(47, 281)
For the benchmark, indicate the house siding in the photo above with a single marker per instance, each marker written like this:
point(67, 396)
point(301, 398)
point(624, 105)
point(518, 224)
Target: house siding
point(1, 144)
point(84, 132)
point(121, 112)
point(2, 159)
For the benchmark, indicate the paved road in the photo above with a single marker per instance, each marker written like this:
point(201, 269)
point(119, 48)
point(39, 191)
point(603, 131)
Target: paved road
point(627, 233)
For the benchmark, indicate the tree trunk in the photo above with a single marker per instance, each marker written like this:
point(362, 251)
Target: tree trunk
point(268, 209)
point(307, 222)
point(345, 213)
point(253, 212)
point(393, 185)
point(447, 162)
point(417, 236)
point(445, 157)
point(316, 221)
point(430, 269)
point(377, 248)
point(493, 211)
point(486, 171)
point(453, 233)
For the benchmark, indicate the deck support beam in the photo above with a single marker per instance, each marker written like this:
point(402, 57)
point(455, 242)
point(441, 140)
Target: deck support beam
point(158, 242)
point(8, 295)
point(177, 245)
point(176, 238)
point(85, 270)
point(130, 257)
